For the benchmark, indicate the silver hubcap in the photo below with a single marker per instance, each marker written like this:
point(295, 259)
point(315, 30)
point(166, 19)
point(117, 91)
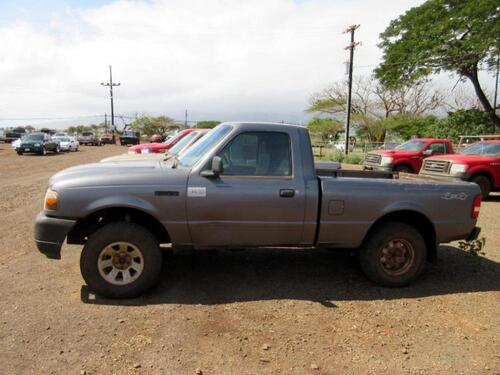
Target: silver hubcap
point(120, 263)
point(397, 257)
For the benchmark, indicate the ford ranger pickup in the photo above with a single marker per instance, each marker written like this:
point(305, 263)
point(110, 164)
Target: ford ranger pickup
point(247, 185)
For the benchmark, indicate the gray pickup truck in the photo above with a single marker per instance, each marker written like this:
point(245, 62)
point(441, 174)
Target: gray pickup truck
point(247, 185)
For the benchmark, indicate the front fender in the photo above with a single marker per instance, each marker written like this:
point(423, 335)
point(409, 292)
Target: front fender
point(123, 200)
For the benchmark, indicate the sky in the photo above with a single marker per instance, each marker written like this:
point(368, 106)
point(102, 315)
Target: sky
point(220, 59)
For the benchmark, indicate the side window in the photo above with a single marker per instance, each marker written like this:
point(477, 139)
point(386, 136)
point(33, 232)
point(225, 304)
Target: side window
point(437, 148)
point(258, 154)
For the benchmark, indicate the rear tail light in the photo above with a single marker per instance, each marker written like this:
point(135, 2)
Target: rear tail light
point(476, 207)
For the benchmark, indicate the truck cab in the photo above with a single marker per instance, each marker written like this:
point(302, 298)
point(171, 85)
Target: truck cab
point(407, 157)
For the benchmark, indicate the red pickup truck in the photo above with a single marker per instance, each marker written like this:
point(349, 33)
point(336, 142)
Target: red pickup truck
point(146, 148)
point(407, 157)
point(479, 163)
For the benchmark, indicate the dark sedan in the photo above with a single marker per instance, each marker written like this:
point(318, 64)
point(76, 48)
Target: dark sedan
point(38, 143)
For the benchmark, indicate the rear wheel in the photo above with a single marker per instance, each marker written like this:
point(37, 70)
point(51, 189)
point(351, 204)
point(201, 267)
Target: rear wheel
point(484, 184)
point(121, 260)
point(393, 255)
point(403, 168)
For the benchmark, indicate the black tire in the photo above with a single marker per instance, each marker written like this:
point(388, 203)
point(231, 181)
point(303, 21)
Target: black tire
point(403, 168)
point(44, 151)
point(375, 265)
point(484, 184)
point(129, 233)
point(57, 150)
point(20, 153)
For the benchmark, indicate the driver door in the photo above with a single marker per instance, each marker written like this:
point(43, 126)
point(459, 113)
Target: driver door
point(258, 200)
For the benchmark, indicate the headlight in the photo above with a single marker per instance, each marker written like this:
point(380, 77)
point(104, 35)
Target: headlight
point(37, 144)
point(458, 168)
point(51, 200)
point(386, 160)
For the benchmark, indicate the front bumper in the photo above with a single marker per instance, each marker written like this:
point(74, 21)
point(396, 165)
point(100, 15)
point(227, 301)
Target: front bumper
point(50, 233)
point(445, 177)
point(29, 148)
point(381, 168)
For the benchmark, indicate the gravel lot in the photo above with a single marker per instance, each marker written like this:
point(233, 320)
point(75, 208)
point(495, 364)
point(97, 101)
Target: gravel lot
point(253, 312)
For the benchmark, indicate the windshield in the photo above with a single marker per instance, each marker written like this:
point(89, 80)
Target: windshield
point(483, 148)
point(411, 146)
point(87, 134)
point(182, 143)
point(64, 139)
point(196, 152)
point(33, 137)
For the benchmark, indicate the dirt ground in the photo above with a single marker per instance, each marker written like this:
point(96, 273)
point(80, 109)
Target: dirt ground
point(252, 312)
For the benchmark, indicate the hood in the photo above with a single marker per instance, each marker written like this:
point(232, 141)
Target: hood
point(30, 141)
point(149, 172)
point(394, 153)
point(463, 158)
point(152, 146)
point(134, 157)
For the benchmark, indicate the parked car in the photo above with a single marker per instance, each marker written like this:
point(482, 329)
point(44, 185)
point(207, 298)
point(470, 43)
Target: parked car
point(246, 185)
point(130, 137)
point(407, 157)
point(108, 138)
point(89, 139)
point(15, 144)
point(12, 136)
point(68, 143)
point(479, 163)
point(147, 148)
point(178, 149)
point(38, 143)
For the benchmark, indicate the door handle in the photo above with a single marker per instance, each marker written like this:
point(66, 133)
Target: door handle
point(287, 193)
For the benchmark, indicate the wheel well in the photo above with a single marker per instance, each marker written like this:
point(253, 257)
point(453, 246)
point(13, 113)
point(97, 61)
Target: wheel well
point(418, 221)
point(85, 227)
point(483, 173)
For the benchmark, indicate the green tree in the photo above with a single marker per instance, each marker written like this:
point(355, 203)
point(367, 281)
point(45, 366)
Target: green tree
point(462, 122)
point(328, 128)
point(71, 130)
point(407, 127)
point(154, 125)
point(29, 128)
point(442, 35)
point(207, 124)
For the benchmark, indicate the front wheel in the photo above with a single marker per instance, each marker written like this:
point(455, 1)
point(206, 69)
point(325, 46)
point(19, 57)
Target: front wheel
point(403, 169)
point(121, 260)
point(484, 185)
point(19, 152)
point(393, 255)
point(58, 149)
point(44, 151)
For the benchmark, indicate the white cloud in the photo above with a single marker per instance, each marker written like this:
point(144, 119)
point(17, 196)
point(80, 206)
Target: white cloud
point(217, 56)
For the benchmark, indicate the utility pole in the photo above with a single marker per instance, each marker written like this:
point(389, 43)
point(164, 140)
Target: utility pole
point(350, 47)
point(110, 84)
point(186, 119)
point(105, 122)
point(496, 93)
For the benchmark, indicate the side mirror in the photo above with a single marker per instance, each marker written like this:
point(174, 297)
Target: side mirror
point(427, 152)
point(217, 168)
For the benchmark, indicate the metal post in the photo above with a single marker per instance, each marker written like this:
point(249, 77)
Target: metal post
point(186, 119)
point(351, 47)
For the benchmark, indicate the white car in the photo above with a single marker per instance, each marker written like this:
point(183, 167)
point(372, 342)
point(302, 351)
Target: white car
point(68, 143)
point(16, 143)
